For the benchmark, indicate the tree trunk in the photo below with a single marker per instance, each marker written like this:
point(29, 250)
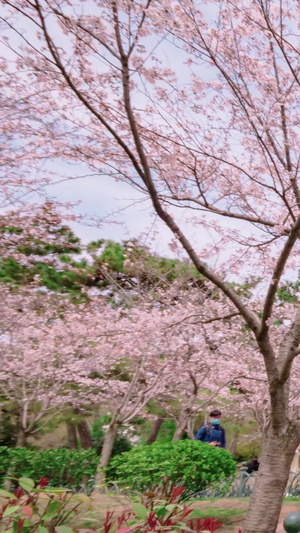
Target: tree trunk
point(265, 505)
point(155, 430)
point(184, 417)
point(180, 429)
point(108, 443)
point(84, 435)
point(187, 410)
point(72, 436)
point(22, 439)
point(107, 447)
point(233, 444)
point(190, 429)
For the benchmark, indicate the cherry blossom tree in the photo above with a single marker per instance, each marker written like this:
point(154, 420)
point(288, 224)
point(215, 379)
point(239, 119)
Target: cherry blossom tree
point(56, 355)
point(43, 364)
point(212, 370)
point(219, 139)
point(208, 363)
point(192, 356)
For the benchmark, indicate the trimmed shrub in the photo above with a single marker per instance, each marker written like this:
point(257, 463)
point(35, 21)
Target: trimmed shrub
point(160, 467)
point(64, 468)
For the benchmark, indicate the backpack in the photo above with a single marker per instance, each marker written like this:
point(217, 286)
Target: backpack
point(208, 427)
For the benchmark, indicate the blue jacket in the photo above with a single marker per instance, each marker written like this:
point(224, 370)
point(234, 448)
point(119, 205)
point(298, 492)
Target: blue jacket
point(211, 434)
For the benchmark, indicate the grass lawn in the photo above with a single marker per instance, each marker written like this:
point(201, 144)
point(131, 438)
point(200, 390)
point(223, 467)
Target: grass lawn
point(231, 511)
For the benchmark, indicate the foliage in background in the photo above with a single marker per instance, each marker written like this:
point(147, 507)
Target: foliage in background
point(73, 469)
point(121, 443)
point(247, 451)
point(166, 431)
point(110, 262)
point(8, 429)
point(161, 467)
point(248, 443)
point(289, 290)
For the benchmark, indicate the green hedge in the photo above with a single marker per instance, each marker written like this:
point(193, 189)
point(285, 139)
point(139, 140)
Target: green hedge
point(187, 463)
point(64, 468)
point(191, 464)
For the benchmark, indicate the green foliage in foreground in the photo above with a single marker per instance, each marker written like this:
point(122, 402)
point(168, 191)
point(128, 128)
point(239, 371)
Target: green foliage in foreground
point(187, 463)
point(39, 508)
point(36, 508)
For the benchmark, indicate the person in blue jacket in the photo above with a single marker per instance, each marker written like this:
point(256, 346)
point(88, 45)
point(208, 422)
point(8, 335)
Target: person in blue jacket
point(213, 433)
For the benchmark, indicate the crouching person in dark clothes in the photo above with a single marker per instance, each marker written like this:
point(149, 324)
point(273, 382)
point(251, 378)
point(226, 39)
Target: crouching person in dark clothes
point(253, 466)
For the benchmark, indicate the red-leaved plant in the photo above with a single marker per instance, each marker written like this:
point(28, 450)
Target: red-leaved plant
point(25, 510)
point(153, 515)
point(23, 513)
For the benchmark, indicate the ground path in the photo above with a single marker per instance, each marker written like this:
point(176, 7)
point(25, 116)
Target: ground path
point(287, 508)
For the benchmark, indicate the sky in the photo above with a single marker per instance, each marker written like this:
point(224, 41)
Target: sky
point(122, 213)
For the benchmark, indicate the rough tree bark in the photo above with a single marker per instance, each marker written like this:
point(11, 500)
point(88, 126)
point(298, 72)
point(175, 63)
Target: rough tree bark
point(108, 443)
point(182, 423)
point(22, 439)
point(155, 430)
point(83, 430)
point(190, 429)
point(233, 444)
point(282, 436)
point(271, 481)
point(187, 410)
point(84, 435)
point(72, 435)
point(107, 447)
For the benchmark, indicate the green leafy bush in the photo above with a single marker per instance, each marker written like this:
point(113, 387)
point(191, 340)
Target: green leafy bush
point(161, 467)
point(39, 508)
point(74, 469)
